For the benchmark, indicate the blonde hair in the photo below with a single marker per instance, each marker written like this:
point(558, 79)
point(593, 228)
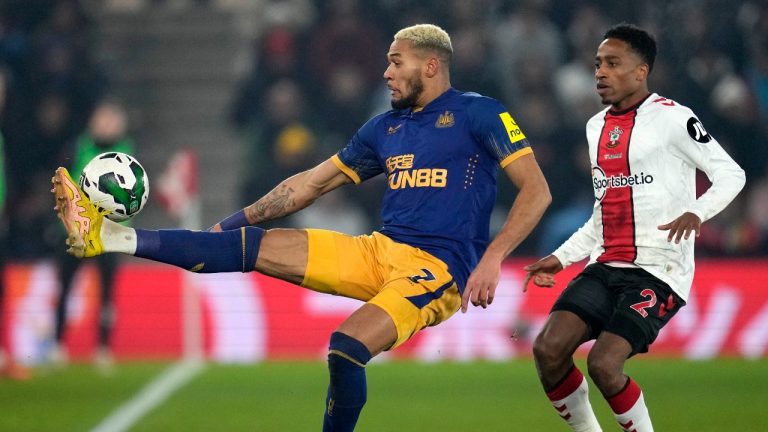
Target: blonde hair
point(428, 37)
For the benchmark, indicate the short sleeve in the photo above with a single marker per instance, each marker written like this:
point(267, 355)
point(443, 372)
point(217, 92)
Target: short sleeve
point(358, 158)
point(497, 131)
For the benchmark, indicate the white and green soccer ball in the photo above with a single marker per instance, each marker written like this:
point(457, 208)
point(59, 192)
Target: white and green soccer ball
point(116, 182)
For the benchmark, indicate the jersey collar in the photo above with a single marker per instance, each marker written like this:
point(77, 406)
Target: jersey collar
point(434, 103)
point(632, 108)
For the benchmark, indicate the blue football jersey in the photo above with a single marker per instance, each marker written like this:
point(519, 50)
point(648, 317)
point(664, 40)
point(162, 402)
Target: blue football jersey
point(441, 165)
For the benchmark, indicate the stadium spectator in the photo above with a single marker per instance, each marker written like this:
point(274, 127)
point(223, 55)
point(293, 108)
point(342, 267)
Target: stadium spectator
point(757, 213)
point(276, 56)
point(280, 141)
point(526, 35)
point(46, 46)
point(433, 247)
point(572, 80)
point(8, 366)
point(638, 238)
point(473, 66)
point(343, 38)
point(753, 18)
point(107, 132)
point(62, 61)
point(736, 112)
point(28, 161)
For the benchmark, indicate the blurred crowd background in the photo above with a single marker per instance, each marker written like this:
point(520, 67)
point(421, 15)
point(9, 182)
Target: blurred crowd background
point(308, 74)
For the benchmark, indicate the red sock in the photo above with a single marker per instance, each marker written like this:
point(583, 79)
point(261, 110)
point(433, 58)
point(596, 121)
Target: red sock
point(568, 385)
point(570, 399)
point(629, 408)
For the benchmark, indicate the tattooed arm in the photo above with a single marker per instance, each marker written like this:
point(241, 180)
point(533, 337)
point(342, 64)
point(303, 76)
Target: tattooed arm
point(296, 192)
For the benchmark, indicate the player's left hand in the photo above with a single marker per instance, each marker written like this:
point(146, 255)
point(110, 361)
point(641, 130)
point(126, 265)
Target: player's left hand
point(682, 227)
point(542, 272)
point(481, 285)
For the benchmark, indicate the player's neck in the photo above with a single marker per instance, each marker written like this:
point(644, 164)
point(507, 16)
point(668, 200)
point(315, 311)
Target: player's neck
point(631, 100)
point(430, 94)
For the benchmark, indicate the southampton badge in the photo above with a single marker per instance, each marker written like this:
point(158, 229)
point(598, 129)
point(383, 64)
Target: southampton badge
point(614, 136)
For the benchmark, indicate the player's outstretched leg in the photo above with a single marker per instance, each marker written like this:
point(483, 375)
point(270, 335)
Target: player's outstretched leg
point(89, 234)
point(80, 217)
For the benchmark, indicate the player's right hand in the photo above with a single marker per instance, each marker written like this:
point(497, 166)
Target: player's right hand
point(482, 283)
point(542, 272)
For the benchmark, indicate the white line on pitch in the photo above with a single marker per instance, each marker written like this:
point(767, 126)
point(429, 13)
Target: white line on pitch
point(155, 393)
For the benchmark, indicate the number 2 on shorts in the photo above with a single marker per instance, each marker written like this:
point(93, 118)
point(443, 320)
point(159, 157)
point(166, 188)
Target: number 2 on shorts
point(643, 305)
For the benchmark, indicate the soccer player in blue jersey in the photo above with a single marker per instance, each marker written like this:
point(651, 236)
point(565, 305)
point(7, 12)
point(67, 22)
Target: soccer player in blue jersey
point(440, 149)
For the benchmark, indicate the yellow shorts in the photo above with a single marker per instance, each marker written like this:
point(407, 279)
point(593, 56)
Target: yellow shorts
point(412, 286)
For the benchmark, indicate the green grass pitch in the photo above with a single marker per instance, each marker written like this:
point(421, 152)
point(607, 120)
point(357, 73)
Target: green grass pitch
point(718, 395)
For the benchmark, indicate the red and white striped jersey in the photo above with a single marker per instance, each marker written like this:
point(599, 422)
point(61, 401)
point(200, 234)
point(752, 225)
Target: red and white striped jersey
point(644, 162)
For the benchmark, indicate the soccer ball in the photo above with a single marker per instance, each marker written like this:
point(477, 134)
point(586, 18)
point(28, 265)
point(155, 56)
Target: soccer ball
point(116, 182)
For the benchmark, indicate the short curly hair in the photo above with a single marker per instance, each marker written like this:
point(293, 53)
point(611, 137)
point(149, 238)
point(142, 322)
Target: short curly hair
point(641, 42)
point(428, 37)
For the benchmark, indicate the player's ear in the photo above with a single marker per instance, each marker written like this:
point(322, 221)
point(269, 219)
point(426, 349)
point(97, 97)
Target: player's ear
point(431, 67)
point(642, 72)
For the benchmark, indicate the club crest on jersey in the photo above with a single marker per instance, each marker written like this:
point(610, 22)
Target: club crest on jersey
point(614, 135)
point(445, 120)
point(393, 129)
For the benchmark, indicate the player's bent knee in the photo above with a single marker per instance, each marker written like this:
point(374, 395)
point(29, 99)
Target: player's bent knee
point(604, 368)
point(347, 390)
point(349, 349)
point(549, 350)
point(347, 358)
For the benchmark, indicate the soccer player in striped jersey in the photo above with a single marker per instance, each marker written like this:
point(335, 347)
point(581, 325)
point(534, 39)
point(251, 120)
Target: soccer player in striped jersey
point(644, 150)
point(440, 150)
